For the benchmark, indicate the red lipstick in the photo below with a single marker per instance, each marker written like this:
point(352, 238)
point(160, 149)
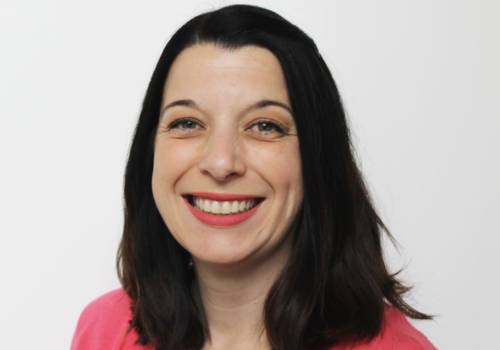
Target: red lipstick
point(221, 220)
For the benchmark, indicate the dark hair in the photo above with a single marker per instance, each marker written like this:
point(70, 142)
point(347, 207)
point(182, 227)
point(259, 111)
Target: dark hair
point(335, 287)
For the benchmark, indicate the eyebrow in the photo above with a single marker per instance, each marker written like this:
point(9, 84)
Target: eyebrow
point(257, 105)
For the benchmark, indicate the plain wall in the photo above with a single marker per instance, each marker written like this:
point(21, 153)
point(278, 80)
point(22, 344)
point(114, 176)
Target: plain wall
point(420, 81)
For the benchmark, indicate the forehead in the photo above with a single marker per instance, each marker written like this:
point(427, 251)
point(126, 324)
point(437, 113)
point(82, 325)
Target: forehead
point(243, 74)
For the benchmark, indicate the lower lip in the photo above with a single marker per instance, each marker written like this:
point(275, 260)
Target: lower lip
point(221, 220)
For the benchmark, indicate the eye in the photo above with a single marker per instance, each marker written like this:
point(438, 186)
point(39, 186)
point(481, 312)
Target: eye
point(268, 127)
point(184, 124)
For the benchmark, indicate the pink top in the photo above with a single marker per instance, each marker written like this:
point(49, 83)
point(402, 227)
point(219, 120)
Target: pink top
point(104, 322)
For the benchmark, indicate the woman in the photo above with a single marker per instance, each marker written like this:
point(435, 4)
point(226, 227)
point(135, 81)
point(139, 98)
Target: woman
point(247, 222)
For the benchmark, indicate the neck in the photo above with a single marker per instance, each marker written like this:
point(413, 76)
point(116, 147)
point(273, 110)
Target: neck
point(232, 300)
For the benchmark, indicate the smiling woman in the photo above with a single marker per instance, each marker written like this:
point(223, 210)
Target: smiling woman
point(228, 165)
point(247, 224)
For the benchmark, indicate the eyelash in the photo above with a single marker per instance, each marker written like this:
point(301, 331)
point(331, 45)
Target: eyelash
point(277, 126)
point(177, 122)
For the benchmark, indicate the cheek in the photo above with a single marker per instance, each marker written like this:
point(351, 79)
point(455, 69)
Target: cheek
point(172, 159)
point(279, 164)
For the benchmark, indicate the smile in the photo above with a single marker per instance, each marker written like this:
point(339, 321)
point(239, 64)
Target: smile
point(216, 209)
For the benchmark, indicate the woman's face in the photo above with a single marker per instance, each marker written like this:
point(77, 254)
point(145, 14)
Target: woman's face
point(227, 171)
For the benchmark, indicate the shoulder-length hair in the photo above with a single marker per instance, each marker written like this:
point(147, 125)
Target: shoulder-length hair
point(335, 287)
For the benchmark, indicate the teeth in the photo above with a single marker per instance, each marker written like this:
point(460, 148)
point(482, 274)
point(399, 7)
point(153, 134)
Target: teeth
point(234, 207)
point(206, 205)
point(224, 207)
point(215, 208)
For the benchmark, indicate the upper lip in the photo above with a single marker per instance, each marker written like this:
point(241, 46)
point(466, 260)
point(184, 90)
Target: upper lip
point(221, 196)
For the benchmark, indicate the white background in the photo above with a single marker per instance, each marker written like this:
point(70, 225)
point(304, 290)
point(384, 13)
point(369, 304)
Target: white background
point(420, 81)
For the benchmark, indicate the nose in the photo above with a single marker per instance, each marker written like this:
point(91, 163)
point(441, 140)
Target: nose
point(222, 158)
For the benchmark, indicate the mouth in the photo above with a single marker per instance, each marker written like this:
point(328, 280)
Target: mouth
point(222, 209)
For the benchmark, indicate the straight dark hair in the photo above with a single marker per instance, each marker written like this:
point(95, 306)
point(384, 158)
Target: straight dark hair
point(335, 287)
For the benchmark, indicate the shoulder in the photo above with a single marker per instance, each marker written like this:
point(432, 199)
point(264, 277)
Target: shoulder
point(104, 322)
point(397, 334)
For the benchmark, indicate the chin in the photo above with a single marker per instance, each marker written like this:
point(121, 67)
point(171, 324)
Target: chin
point(221, 258)
point(227, 256)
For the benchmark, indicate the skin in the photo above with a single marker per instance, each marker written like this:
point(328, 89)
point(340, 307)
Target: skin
point(225, 147)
